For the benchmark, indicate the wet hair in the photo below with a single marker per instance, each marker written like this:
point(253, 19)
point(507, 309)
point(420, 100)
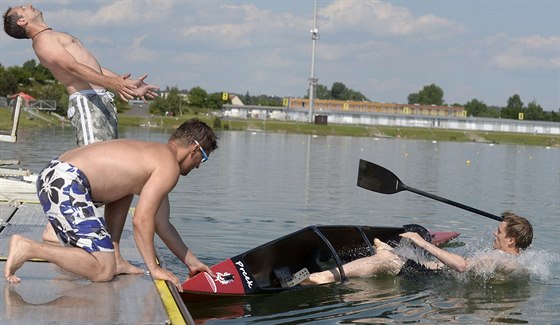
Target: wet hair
point(11, 26)
point(195, 129)
point(519, 229)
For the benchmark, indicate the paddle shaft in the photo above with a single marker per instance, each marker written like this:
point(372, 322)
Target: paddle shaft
point(453, 203)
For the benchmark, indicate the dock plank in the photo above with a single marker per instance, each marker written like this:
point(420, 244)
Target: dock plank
point(49, 294)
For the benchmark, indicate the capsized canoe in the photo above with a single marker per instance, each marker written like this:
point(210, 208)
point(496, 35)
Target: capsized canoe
point(277, 265)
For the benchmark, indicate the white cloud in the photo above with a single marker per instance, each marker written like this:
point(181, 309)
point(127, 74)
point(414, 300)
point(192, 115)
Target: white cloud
point(238, 25)
point(121, 13)
point(528, 52)
point(384, 19)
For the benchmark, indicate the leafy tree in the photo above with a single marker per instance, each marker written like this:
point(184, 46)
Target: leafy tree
point(534, 112)
point(513, 108)
point(56, 91)
point(247, 99)
point(354, 96)
point(8, 82)
point(214, 101)
point(171, 103)
point(198, 97)
point(338, 91)
point(322, 92)
point(33, 71)
point(476, 107)
point(491, 112)
point(414, 98)
point(429, 95)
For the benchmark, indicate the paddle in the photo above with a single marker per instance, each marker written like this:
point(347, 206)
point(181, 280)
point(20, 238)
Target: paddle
point(381, 180)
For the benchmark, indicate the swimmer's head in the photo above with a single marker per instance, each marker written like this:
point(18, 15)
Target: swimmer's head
point(514, 233)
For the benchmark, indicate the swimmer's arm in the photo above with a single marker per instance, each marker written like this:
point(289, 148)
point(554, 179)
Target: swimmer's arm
point(453, 261)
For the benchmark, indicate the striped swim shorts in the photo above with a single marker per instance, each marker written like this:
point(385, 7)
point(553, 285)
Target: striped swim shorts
point(93, 115)
point(64, 193)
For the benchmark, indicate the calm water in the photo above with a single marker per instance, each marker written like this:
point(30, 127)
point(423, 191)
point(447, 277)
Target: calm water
point(259, 186)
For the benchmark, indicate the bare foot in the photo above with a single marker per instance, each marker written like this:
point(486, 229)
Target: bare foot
point(319, 278)
point(17, 247)
point(124, 267)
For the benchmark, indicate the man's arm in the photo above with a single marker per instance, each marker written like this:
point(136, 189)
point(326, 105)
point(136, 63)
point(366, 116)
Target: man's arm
point(168, 233)
point(55, 57)
point(151, 197)
point(453, 261)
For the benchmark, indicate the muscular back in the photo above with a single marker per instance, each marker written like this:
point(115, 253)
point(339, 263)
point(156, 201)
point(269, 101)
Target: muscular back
point(118, 168)
point(63, 54)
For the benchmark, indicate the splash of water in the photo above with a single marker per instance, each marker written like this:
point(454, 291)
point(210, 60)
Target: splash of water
point(488, 264)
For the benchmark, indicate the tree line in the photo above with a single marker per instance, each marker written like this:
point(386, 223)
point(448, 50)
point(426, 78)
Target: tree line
point(38, 82)
point(433, 95)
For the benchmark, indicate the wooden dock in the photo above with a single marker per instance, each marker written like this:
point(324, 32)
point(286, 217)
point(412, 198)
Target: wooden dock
point(47, 294)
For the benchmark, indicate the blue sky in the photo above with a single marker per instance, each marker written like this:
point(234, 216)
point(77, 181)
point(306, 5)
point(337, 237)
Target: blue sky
point(488, 50)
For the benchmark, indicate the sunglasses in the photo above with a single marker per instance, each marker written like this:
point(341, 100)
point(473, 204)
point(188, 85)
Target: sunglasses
point(204, 155)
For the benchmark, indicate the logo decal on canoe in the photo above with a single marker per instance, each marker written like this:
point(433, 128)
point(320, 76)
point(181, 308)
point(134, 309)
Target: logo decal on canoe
point(211, 282)
point(224, 278)
point(245, 274)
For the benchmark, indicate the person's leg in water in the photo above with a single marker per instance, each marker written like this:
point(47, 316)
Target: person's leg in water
point(383, 262)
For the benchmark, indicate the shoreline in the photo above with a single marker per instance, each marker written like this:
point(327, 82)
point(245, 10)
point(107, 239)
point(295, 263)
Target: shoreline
point(252, 125)
point(370, 131)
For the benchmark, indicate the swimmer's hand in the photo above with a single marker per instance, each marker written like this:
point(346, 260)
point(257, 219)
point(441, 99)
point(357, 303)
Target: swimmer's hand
point(414, 237)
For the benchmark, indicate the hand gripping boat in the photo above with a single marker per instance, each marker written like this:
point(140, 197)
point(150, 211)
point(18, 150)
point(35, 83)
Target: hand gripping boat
point(283, 263)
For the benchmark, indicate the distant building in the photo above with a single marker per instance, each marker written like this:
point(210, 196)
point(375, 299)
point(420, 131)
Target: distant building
point(327, 105)
point(386, 114)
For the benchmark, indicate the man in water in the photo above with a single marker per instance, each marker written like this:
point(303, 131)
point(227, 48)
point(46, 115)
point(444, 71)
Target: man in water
point(91, 109)
point(111, 173)
point(513, 235)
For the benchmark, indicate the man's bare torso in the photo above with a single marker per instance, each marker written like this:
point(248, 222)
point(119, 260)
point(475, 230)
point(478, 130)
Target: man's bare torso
point(118, 168)
point(56, 50)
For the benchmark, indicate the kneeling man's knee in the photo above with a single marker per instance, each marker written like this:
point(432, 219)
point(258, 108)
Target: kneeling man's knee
point(107, 267)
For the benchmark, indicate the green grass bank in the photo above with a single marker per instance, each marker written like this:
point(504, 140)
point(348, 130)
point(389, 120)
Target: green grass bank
point(430, 134)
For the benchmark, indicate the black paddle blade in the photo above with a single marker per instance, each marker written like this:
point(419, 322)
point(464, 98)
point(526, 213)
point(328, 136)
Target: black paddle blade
point(381, 180)
point(378, 179)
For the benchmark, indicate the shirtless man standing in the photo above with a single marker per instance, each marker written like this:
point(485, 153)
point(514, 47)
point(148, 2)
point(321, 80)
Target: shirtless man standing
point(110, 173)
point(90, 109)
point(513, 235)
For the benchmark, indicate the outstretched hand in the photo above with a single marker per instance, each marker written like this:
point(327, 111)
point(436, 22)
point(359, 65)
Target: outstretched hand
point(144, 90)
point(123, 85)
